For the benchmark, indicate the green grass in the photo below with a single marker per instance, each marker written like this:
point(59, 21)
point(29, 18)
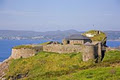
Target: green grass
point(102, 73)
point(97, 37)
point(46, 43)
point(23, 46)
point(112, 56)
point(30, 46)
point(53, 66)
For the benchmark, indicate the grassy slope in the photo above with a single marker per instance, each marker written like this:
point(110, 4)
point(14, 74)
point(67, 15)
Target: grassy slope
point(30, 46)
point(52, 66)
point(97, 37)
point(23, 46)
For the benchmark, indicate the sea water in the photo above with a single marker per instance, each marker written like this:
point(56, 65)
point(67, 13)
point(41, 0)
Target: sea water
point(7, 45)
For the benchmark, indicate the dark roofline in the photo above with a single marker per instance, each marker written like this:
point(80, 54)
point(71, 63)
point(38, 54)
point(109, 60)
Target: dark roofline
point(77, 37)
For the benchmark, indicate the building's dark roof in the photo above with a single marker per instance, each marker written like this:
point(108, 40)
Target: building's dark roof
point(88, 44)
point(76, 37)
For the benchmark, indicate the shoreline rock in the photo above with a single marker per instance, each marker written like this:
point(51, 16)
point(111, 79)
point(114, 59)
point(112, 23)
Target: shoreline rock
point(4, 67)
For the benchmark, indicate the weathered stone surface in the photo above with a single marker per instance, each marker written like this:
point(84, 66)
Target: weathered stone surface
point(3, 68)
point(25, 52)
point(22, 53)
point(88, 51)
point(62, 48)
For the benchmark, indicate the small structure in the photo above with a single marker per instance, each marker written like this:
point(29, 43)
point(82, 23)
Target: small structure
point(76, 39)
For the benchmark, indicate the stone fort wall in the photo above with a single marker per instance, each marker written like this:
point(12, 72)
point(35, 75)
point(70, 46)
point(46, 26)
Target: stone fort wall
point(25, 52)
point(88, 51)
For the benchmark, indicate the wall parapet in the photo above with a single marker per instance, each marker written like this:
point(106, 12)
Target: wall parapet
point(25, 52)
point(88, 51)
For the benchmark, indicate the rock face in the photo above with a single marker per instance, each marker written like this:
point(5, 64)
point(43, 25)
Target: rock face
point(3, 68)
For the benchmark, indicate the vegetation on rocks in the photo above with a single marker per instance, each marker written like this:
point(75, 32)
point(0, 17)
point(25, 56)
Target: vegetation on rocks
point(96, 37)
point(53, 66)
point(46, 43)
point(23, 46)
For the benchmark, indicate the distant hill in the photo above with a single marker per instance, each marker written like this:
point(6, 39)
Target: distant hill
point(14, 34)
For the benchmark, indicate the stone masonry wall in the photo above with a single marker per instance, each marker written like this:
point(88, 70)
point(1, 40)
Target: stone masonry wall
point(62, 48)
point(88, 52)
point(25, 52)
point(76, 42)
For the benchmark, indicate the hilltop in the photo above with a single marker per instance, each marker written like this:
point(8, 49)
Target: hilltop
point(53, 66)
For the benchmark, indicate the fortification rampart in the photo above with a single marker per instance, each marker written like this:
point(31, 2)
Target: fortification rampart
point(88, 51)
point(91, 47)
point(25, 52)
point(63, 48)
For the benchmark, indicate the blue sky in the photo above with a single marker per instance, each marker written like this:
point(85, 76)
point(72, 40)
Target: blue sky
point(50, 15)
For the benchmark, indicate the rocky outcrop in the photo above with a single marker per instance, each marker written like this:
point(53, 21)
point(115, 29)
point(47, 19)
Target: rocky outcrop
point(4, 68)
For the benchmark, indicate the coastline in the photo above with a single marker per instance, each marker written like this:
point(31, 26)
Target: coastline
point(113, 40)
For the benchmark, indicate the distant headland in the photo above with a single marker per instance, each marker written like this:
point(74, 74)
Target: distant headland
point(49, 35)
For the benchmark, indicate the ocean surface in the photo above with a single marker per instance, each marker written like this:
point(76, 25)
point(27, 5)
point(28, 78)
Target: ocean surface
point(6, 46)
